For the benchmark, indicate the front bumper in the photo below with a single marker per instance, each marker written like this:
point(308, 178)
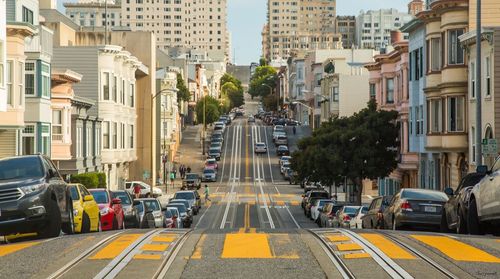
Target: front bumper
point(28, 214)
point(211, 179)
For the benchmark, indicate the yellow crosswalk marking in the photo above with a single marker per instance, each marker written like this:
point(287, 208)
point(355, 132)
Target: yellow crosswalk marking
point(457, 250)
point(11, 248)
point(147, 256)
point(246, 246)
point(115, 247)
point(337, 238)
point(160, 238)
point(199, 247)
point(348, 247)
point(357, 256)
point(388, 247)
point(154, 247)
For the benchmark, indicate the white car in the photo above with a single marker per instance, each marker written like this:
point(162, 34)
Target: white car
point(260, 147)
point(284, 167)
point(317, 206)
point(357, 221)
point(145, 189)
point(154, 205)
point(284, 159)
point(175, 212)
point(279, 128)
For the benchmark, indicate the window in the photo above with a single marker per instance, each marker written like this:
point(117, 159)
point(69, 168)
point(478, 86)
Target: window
point(335, 94)
point(115, 135)
point(45, 139)
point(132, 95)
point(79, 144)
point(97, 140)
point(105, 135)
point(29, 140)
point(115, 88)
point(105, 86)
point(417, 64)
point(473, 144)
point(455, 50)
point(411, 116)
point(421, 61)
point(487, 75)
point(421, 120)
point(122, 129)
point(2, 59)
point(20, 75)
point(57, 130)
point(456, 114)
point(45, 80)
point(390, 90)
point(29, 75)
point(27, 15)
point(88, 141)
point(473, 80)
point(435, 114)
point(373, 91)
point(10, 92)
point(435, 54)
point(122, 92)
point(131, 136)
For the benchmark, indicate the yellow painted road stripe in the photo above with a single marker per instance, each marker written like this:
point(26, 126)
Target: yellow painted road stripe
point(247, 159)
point(280, 203)
point(147, 256)
point(252, 230)
point(388, 247)
point(356, 256)
point(199, 248)
point(246, 246)
point(115, 247)
point(294, 203)
point(348, 247)
point(457, 250)
point(154, 247)
point(11, 248)
point(337, 238)
point(160, 238)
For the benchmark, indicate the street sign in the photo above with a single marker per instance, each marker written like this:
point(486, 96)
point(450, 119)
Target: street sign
point(490, 147)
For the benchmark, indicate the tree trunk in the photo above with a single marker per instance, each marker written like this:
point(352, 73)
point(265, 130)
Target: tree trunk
point(358, 190)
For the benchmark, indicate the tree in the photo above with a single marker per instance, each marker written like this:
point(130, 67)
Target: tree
point(226, 78)
point(359, 147)
point(212, 110)
point(183, 93)
point(263, 61)
point(232, 94)
point(263, 78)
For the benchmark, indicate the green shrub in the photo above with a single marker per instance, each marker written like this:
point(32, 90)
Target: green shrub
point(102, 179)
point(90, 180)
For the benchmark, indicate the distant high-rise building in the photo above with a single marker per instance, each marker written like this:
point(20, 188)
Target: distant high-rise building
point(92, 13)
point(415, 7)
point(265, 42)
point(373, 28)
point(346, 26)
point(298, 26)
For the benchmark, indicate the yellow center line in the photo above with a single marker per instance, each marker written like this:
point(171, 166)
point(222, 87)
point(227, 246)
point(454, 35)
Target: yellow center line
point(457, 250)
point(388, 247)
point(11, 248)
point(114, 248)
point(247, 158)
point(199, 248)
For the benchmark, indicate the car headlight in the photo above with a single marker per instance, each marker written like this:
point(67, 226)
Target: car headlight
point(33, 188)
point(104, 211)
point(75, 212)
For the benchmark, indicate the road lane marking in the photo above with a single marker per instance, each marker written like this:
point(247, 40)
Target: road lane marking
point(457, 250)
point(164, 238)
point(147, 257)
point(348, 247)
point(388, 247)
point(246, 246)
point(198, 251)
point(116, 247)
point(337, 238)
point(11, 248)
point(247, 159)
point(154, 247)
point(356, 256)
point(268, 156)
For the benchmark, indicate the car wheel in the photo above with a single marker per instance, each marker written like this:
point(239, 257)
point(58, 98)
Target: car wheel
point(53, 226)
point(444, 223)
point(461, 224)
point(115, 223)
point(99, 224)
point(473, 225)
point(69, 227)
point(123, 223)
point(85, 223)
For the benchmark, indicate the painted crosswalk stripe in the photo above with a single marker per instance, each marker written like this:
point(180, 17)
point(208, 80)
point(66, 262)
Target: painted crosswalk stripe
point(116, 247)
point(388, 247)
point(11, 248)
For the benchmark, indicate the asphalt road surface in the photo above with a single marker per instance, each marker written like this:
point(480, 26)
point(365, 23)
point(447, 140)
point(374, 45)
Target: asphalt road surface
point(254, 227)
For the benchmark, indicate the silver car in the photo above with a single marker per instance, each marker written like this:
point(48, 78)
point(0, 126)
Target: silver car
point(153, 205)
point(209, 175)
point(260, 147)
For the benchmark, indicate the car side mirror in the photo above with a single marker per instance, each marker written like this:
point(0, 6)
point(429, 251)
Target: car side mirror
point(136, 203)
point(88, 198)
point(116, 201)
point(482, 169)
point(51, 173)
point(449, 191)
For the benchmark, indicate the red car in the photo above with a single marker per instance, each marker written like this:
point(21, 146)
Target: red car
point(110, 209)
point(211, 164)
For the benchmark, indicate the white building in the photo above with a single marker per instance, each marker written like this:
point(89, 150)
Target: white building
point(91, 13)
point(3, 58)
point(373, 28)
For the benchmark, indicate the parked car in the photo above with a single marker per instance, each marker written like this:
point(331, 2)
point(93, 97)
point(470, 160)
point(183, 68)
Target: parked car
point(175, 212)
point(192, 197)
point(260, 147)
point(356, 221)
point(277, 134)
point(155, 206)
point(214, 153)
point(284, 159)
point(281, 140)
point(168, 217)
point(129, 211)
point(216, 140)
point(415, 207)
point(33, 197)
point(186, 218)
point(282, 150)
point(344, 216)
point(314, 194)
point(284, 167)
point(211, 164)
point(145, 189)
point(111, 210)
point(374, 217)
point(217, 137)
point(287, 175)
point(484, 205)
point(454, 215)
point(85, 210)
point(251, 119)
point(217, 145)
point(327, 214)
point(209, 175)
point(145, 214)
point(191, 182)
point(317, 207)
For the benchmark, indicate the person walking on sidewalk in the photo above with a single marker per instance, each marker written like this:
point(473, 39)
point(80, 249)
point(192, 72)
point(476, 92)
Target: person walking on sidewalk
point(137, 190)
point(207, 193)
point(294, 130)
point(172, 178)
point(188, 169)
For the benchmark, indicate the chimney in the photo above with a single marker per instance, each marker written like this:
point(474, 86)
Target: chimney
point(415, 7)
point(396, 36)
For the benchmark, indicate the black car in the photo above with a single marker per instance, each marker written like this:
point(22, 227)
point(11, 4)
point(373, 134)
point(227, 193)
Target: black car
point(214, 153)
point(454, 215)
point(192, 182)
point(415, 207)
point(282, 150)
point(34, 197)
point(374, 218)
point(129, 211)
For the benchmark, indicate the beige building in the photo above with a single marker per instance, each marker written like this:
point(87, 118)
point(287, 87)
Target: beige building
point(92, 12)
point(346, 26)
point(296, 26)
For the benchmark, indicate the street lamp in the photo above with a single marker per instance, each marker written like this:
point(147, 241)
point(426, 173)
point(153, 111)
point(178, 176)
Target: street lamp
point(309, 108)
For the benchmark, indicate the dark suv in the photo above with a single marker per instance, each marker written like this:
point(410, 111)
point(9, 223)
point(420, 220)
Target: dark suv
point(33, 197)
point(191, 182)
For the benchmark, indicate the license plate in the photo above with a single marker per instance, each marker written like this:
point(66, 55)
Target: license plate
point(430, 209)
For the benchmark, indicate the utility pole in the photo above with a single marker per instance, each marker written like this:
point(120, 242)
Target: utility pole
point(479, 124)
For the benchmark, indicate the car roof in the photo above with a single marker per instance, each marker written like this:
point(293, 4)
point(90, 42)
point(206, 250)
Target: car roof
point(282, 147)
point(260, 142)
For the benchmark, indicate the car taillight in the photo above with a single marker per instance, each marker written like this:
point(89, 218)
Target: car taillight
point(405, 205)
point(347, 218)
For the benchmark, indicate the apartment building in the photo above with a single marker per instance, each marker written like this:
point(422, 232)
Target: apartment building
point(346, 27)
point(3, 60)
point(20, 19)
point(94, 13)
point(298, 26)
point(373, 28)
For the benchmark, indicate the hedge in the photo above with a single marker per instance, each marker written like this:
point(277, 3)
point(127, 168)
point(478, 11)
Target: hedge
point(90, 180)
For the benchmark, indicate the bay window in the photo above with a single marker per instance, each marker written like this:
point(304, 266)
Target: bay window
point(456, 114)
point(45, 80)
point(455, 50)
point(115, 135)
point(435, 115)
point(29, 70)
point(435, 54)
point(487, 76)
point(57, 130)
point(105, 86)
point(105, 135)
point(373, 91)
point(29, 140)
point(10, 91)
point(390, 90)
point(472, 80)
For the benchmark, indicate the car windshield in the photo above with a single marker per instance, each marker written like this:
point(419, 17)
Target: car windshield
point(124, 197)
point(350, 209)
point(282, 147)
point(324, 202)
point(21, 168)
point(139, 207)
point(74, 193)
point(261, 145)
point(192, 176)
point(100, 196)
point(152, 205)
point(173, 211)
point(211, 162)
point(424, 195)
point(364, 209)
point(286, 164)
point(180, 207)
point(319, 195)
point(184, 196)
point(168, 214)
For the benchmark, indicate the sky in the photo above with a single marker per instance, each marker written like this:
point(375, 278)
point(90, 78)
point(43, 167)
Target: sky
point(247, 17)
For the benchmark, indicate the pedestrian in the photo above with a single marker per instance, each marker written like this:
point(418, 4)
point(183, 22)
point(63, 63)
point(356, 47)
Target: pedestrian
point(181, 171)
point(294, 130)
point(174, 170)
point(172, 178)
point(188, 169)
point(183, 175)
point(137, 190)
point(207, 193)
